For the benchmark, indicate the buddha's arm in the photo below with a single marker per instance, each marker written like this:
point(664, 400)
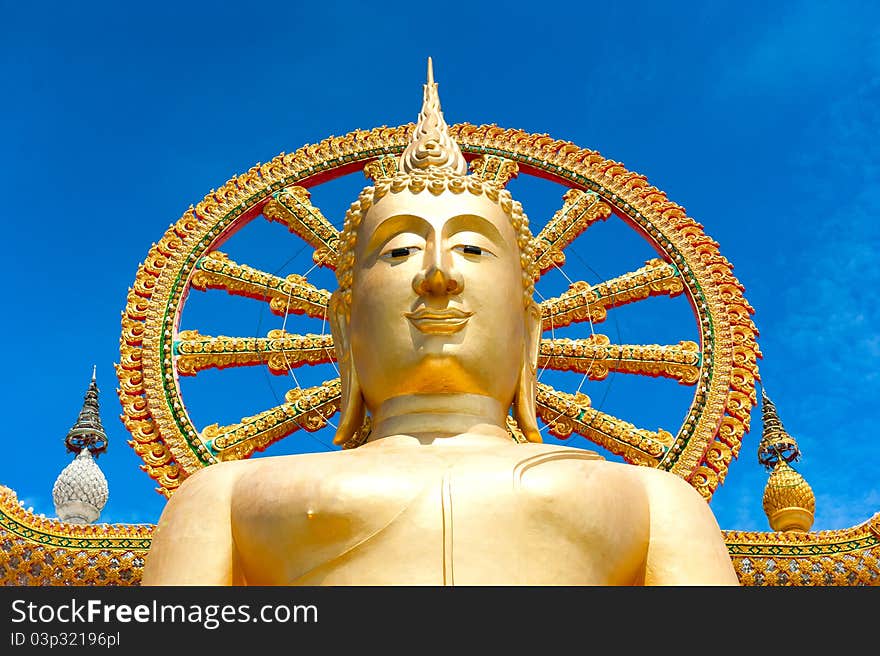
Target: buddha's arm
point(192, 543)
point(686, 546)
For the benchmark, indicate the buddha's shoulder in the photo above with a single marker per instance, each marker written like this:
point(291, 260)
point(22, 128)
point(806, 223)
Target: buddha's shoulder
point(568, 475)
point(530, 450)
point(213, 477)
point(556, 460)
point(229, 472)
point(211, 484)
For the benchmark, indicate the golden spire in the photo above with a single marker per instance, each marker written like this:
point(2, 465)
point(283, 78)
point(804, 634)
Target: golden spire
point(789, 502)
point(431, 145)
point(775, 444)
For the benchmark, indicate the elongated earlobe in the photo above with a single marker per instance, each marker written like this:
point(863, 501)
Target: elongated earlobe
point(351, 411)
point(526, 389)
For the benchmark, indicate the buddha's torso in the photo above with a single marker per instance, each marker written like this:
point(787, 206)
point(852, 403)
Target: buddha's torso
point(528, 514)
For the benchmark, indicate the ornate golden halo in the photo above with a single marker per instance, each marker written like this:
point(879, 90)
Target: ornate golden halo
point(722, 368)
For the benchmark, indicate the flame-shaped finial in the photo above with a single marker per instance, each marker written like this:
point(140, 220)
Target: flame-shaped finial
point(431, 145)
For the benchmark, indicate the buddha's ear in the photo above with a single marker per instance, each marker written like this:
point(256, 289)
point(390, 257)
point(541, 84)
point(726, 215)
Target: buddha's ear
point(351, 411)
point(526, 389)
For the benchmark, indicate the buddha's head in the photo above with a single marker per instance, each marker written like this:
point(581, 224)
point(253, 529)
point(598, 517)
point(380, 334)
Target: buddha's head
point(436, 277)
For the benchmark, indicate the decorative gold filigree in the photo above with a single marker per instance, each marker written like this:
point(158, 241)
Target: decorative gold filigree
point(35, 550)
point(580, 210)
point(291, 295)
point(304, 408)
point(361, 436)
point(280, 350)
point(566, 413)
point(843, 557)
point(515, 431)
point(584, 302)
point(293, 208)
point(596, 356)
point(384, 167)
point(494, 169)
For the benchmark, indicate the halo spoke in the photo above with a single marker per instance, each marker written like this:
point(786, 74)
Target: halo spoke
point(303, 408)
point(291, 295)
point(280, 350)
point(580, 210)
point(585, 302)
point(293, 208)
point(566, 413)
point(596, 356)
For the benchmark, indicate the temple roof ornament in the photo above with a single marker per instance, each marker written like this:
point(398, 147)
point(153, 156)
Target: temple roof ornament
point(776, 444)
point(88, 432)
point(80, 491)
point(788, 502)
point(431, 144)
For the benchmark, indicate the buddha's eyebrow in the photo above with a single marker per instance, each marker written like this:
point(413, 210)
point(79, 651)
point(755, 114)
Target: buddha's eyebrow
point(394, 225)
point(474, 223)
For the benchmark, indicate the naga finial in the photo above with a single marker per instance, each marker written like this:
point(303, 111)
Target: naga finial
point(431, 145)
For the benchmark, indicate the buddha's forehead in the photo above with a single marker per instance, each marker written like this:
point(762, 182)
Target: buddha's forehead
point(465, 210)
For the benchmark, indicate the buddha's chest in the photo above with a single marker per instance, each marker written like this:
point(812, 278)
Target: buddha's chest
point(438, 521)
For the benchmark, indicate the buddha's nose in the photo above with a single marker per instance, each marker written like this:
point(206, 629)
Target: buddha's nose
point(437, 281)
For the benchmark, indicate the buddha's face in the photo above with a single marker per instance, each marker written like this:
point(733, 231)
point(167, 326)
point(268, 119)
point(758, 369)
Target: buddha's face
point(437, 298)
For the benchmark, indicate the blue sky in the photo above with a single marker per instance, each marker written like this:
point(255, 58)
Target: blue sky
point(760, 120)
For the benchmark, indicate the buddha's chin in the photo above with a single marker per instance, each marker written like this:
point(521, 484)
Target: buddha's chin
point(438, 374)
point(443, 373)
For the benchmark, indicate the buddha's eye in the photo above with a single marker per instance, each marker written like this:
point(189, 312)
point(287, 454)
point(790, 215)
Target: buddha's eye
point(400, 252)
point(470, 249)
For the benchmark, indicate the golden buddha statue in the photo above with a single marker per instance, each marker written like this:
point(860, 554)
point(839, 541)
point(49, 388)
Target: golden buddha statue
point(436, 335)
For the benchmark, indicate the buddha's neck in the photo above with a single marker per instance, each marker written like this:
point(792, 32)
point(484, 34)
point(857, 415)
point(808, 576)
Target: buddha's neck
point(440, 419)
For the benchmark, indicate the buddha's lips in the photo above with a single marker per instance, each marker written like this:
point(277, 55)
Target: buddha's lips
point(438, 322)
